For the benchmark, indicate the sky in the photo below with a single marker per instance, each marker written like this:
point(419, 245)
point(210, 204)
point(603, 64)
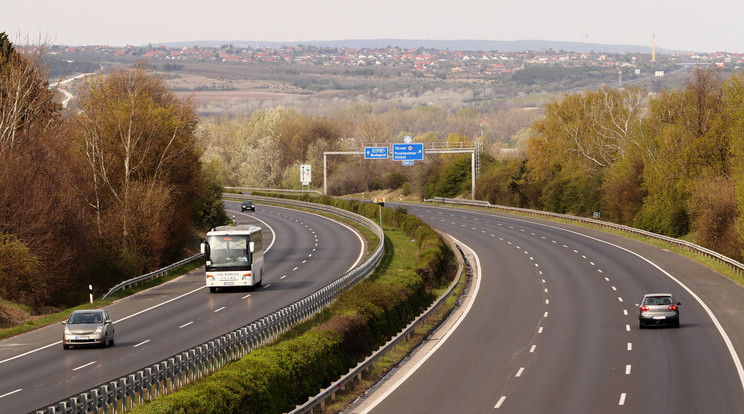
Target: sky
point(680, 25)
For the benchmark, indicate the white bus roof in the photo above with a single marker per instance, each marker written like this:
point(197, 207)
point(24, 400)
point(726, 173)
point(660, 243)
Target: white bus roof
point(239, 229)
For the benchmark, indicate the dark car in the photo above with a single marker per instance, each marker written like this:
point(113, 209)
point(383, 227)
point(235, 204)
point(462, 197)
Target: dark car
point(88, 327)
point(247, 205)
point(658, 309)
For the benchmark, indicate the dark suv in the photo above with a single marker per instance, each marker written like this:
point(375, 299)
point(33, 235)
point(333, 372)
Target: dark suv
point(247, 205)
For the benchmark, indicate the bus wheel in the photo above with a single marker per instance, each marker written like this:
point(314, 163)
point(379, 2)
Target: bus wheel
point(212, 289)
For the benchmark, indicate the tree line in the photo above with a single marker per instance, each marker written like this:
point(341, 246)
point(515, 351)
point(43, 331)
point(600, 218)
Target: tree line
point(668, 162)
point(671, 163)
point(95, 196)
point(120, 184)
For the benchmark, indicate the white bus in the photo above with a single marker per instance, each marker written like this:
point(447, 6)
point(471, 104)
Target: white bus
point(234, 256)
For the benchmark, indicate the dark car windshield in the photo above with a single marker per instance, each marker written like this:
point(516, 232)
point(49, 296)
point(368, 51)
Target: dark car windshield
point(658, 300)
point(85, 317)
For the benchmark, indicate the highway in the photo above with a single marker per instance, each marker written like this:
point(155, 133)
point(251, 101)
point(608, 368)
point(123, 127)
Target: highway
point(554, 328)
point(307, 251)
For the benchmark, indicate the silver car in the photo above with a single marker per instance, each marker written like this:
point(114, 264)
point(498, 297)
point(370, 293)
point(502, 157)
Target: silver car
point(658, 309)
point(88, 327)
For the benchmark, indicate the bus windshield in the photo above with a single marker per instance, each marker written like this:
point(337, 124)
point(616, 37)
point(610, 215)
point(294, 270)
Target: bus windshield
point(228, 251)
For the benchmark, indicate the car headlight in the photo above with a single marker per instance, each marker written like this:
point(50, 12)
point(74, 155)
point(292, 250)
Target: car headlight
point(67, 331)
point(99, 329)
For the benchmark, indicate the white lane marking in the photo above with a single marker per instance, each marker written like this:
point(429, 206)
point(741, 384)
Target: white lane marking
point(627, 328)
point(267, 286)
point(716, 322)
point(519, 373)
point(627, 369)
point(83, 366)
point(625, 312)
point(547, 301)
point(532, 349)
point(361, 241)
point(249, 295)
point(282, 277)
point(622, 399)
point(217, 310)
point(11, 393)
point(501, 401)
point(446, 336)
point(600, 270)
point(620, 298)
point(614, 288)
point(540, 330)
point(117, 321)
point(630, 346)
point(295, 269)
point(185, 325)
point(545, 315)
point(141, 343)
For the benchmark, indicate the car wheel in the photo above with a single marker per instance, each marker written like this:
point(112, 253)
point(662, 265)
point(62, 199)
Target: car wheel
point(111, 342)
point(641, 325)
point(65, 346)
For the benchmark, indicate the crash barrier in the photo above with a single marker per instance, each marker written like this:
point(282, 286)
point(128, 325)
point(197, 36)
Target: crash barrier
point(339, 386)
point(121, 394)
point(733, 265)
point(152, 275)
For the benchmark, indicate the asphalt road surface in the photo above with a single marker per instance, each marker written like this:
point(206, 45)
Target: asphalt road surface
point(554, 328)
point(307, 251)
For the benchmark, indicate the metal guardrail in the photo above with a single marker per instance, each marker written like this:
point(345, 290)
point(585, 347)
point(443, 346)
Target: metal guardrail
point(152, 275)
point(121, 394)
point(356, 372)
point(732, 264)
point(273, 190)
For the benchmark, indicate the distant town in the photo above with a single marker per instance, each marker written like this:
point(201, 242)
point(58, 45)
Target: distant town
point(449, 62)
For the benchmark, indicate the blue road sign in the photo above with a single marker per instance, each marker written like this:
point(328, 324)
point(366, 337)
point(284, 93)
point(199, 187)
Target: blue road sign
point(408, 152)
point(406, 163)
point(375, 152)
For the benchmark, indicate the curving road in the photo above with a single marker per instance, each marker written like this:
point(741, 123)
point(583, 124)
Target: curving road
point(307, 252)
point(554, 328)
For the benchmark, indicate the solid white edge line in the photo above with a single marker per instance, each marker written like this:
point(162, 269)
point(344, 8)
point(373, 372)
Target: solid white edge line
point(361, 241)
point(11, 393)
point(719, 327)
point(141, 343)
point(446, 336)
point(117, 321)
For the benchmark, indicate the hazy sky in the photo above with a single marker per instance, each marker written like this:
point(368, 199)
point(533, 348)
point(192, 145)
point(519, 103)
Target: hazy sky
point(700, 25)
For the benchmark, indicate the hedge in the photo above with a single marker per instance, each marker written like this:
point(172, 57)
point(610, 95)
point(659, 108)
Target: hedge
point(277, 377)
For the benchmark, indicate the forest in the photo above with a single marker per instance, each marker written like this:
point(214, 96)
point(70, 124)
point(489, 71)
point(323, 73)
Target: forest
point(127, 179)
point(95, 196)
